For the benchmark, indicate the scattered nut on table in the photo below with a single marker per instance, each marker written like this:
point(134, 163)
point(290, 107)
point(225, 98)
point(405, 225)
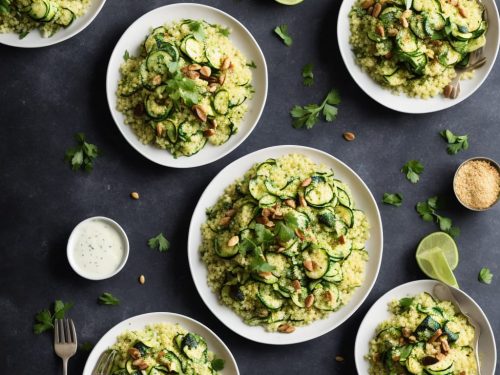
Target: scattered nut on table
point(142, 279)
point(134, 195)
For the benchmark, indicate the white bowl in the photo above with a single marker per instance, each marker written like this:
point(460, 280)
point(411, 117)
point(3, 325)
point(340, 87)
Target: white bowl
point(132, 39)
point(402, 102)
point(34, 39)
point(364, 200)
point(214, 343)
point(379, 312)
point(70, 248)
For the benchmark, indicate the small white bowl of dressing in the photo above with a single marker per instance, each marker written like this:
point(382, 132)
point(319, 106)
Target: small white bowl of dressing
point(97, 248)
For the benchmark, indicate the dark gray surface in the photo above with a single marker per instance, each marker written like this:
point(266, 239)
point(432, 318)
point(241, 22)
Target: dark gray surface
point(49, 94)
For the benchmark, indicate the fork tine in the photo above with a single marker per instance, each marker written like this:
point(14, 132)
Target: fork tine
point(109, 363)
point(67, 331)
point(62, 337)
point(105, 363)
point(56, 332)
point(73, 331)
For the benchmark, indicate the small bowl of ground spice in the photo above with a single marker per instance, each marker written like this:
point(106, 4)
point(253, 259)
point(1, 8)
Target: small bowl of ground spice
point(477, 183)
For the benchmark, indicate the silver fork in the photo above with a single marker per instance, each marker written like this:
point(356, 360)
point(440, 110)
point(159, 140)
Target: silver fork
point(65, 343)
point(476, 60)
point(105, 363)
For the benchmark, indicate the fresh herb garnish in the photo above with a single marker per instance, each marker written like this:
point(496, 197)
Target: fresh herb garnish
point(126, 55)
point(108, 299)
point(86, 346)
point(226, 31)
point(308, 75)
point(159, 243)
point(82, 156)
point(181, 88)
point(405, 303)
point(196, 27)
point(282, 32)
point(217, 364)
point(309, 114)
point(284, 232)
point(5, 7)
point(44, 320)
point(252, 65)
point(485, 275)
point(394, 199)
point(262, 234)
point(260, 265)
point(412, 170)
point(427, 211)
point(455, 142)
point(24, 34)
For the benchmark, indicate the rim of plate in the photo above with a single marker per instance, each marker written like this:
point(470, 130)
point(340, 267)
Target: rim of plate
point(256, 107)
point(319, 327)
point(139, 321)
point(35, 40)
point(402, 102)
point(368, 325)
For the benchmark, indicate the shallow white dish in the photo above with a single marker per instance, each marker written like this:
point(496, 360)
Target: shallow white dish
point(72, 241)
point(242, 39)
point(402, 102)
point(379, 312)
point(34, 39)
point(364, 200)
point(214, 343)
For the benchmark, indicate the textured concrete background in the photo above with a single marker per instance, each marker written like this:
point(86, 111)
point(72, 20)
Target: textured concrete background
point(49, 94)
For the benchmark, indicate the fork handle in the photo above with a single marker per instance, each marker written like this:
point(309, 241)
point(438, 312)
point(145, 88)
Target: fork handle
point(65, 366)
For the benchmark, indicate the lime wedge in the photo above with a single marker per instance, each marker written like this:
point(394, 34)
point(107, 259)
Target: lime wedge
point(437, 256)
point(435, 242)
point(289, 2)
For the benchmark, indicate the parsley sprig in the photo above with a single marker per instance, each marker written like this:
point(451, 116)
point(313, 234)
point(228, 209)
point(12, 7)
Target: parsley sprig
point(308, 75)
point(5, 6)
point(282, 32)
point(394, 199)
point(196, 27)
point(159, 243)
point(485, 276)
point(412, 169)
point(108, 299)
point(44, 320)
point(456, 143)
point(83, 155)
point(308, 115)
point(181, 89)
point(427, 211)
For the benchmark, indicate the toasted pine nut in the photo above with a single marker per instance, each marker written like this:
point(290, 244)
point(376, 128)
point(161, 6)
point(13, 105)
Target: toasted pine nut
point(233, 241)
point(134, 195)
point(377, 8)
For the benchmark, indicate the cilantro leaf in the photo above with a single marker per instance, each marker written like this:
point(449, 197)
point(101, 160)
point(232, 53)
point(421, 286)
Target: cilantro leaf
point(60, 309)
point(427, 211)
point(394, 199)
point(308, 75)
point(82, 156)
point(226, 31)
point(44, 320)
point(456, 143)
point(308, 115)
point(252, 65)
point(196, 27)
point(284, 232)
point(258, 264)
point(159, 243)
point(263, 235)
point(217, 364)
point(23, 34)
point(405, 303)
point(282, 32)
point(412, 169)
point(126, 55)
point(182, 88)
point(108, 299)
point(485, 276)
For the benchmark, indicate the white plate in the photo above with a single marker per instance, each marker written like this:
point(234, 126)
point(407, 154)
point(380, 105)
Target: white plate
point(34, 39)
point(364, 200)
point(379, 312)
point(214, 343)
point(402, 102)
point(241, 38)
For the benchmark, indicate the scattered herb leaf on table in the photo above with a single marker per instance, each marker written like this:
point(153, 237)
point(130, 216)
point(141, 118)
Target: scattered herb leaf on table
point(44, 320)
point(485, 275)
point(282, 32)
point(308, 75)
point(427, 211)
point(308, 115)
point(394, 199)
point(412, 169)
point(108, 299)
point(159, 243)
point(83, 155)
point(456, 143)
